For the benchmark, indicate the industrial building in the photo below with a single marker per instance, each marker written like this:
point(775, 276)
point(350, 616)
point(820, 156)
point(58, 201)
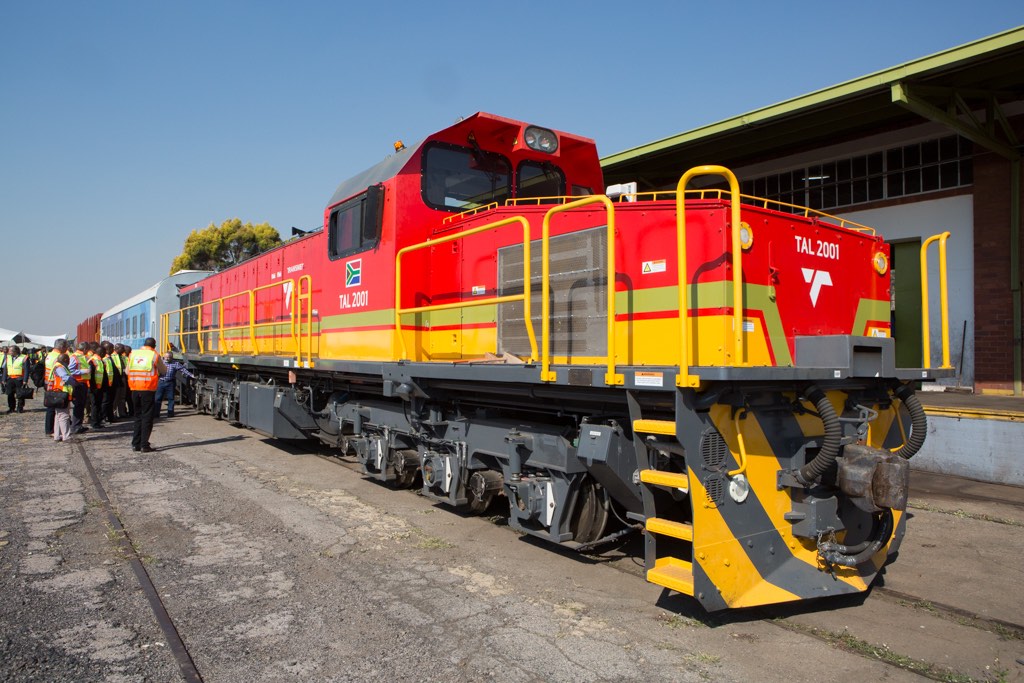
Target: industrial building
point(913, 150)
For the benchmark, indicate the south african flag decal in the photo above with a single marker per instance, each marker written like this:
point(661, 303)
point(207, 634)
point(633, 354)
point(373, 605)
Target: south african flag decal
point(354, 273)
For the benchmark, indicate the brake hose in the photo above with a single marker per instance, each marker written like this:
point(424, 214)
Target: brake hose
point(835, 553)
point(918, 422)
point(826, 458)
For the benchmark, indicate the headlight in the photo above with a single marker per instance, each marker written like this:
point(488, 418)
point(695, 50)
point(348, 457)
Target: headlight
point(881, 263)
point(746, 235)
point(541, 139)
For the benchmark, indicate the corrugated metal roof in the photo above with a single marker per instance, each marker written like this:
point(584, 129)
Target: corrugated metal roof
point(992, 63)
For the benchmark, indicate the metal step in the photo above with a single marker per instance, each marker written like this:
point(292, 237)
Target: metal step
point(667, 527)
point(664, 427)
point(672, 573)
point(673, 480)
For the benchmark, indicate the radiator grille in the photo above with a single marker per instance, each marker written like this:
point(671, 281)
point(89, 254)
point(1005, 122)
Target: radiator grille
point(577, 296)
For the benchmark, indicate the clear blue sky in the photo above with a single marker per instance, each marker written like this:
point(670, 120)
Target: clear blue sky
point(125, 125)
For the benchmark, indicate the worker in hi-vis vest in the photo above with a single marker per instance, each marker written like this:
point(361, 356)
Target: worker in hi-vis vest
point(145, 368)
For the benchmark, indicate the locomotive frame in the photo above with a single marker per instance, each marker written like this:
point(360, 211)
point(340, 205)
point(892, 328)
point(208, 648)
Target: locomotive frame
point(760, 442)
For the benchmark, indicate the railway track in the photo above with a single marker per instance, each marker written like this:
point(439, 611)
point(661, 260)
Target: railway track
point(177, 646)
point(782, 616)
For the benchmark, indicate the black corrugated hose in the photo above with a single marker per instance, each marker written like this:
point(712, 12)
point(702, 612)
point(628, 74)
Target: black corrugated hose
point(833, 552)
point(826, 458)
point(918, 422)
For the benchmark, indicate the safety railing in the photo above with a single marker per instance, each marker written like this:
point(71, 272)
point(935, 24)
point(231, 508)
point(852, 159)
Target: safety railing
point(304, 295)
point(943, 300)
point(718, 193)
point(293, 300)
point(524, 297)
point(684, 378)
point(547, 375)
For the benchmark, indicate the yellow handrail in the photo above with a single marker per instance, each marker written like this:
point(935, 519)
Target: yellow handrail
point(546, 374)
point(524, 297)
point(306, 296)
point(741, 444)
point(718, 193)
point(684, 378)
point(943, 300)
point(219, 328)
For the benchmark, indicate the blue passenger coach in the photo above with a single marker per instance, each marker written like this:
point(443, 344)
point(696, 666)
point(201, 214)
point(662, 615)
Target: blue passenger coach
point(131, 321)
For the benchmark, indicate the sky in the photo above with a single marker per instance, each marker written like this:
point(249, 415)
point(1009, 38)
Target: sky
point(125, 125)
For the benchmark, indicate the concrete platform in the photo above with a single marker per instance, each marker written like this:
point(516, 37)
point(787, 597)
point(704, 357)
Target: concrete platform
point(973, 436)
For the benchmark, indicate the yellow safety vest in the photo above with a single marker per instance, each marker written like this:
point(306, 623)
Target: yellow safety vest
point(99, 370)
point(108, 367)
point(51, 360)
point(16, 366)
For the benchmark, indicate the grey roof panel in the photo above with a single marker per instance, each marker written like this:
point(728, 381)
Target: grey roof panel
point(386, 169)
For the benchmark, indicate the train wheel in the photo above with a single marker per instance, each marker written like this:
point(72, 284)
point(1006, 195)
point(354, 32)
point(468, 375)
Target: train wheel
point(590, 516)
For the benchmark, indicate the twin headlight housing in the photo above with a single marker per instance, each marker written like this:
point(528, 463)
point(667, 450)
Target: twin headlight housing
point(541, 139)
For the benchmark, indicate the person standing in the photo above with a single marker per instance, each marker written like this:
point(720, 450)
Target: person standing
point(60, 380)
point(126, 352)
point(99, 383)
point(81, 374)
point(165, 388)
point(60, 347)
point(111, 378)
point(16, 372)
point(121, 380)
point(145, 368)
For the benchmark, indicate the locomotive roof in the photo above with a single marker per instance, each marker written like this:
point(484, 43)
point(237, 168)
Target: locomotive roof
point(388, 168)
point(146, 294)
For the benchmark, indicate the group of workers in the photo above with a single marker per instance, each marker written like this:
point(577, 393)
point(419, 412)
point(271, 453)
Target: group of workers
point(103, 382)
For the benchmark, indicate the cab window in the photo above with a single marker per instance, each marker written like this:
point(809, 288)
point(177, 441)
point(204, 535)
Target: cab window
point(539, 179)
point(459, 178)
point(355, 225)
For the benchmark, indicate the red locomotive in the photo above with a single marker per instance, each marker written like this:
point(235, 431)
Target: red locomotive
point(475, 315)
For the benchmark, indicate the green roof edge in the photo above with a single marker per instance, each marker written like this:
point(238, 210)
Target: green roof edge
point(850, 88)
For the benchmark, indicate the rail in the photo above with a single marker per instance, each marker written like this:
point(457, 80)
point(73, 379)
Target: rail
point(524, 297)
point(293, 300)
point(547, 375)
point(684, 378)
point(718, 193)
point(943, 300)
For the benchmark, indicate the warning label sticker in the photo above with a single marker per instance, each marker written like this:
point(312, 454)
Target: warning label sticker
point(649, 379)
point(654, 267)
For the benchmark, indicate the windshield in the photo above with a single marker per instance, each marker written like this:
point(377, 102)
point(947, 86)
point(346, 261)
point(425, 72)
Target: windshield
point(460, 178)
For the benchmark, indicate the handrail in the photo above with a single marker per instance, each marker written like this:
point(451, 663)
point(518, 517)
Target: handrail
point(524, 297)
point(306, 296)
point(469, 212)
point(943, 300)
point(741, 444)
point(546, 375)
point(684, 378)
point(718, 193)
point(251, 325)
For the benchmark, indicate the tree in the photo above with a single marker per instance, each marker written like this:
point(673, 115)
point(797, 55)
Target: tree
point(218, 247)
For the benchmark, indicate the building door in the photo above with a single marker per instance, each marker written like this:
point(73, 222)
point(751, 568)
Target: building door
point(905, 304)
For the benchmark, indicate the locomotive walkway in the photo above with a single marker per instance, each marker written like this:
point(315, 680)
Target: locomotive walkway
point(273, 562)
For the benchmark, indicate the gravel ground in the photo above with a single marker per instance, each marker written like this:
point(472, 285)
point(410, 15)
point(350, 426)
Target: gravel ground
point(276, 564)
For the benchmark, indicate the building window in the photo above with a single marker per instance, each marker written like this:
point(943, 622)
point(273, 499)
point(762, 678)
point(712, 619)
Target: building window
point(912, 169)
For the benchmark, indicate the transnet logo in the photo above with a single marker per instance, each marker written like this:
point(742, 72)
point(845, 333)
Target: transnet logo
point(354, 273)
point(816, 279)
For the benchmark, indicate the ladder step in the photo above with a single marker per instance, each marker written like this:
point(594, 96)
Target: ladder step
point(673, 480)
point(667, 527)
point(665, 427)
point(672, 573)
